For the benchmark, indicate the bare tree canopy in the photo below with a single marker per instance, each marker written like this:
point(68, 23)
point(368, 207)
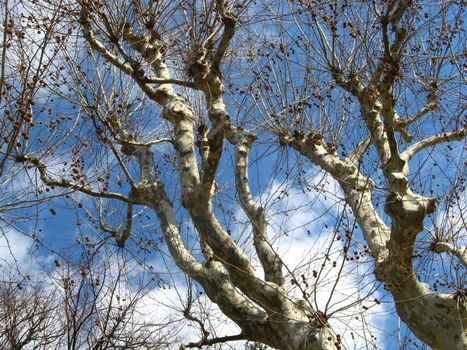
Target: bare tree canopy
point(85, 307)
point(300, 163)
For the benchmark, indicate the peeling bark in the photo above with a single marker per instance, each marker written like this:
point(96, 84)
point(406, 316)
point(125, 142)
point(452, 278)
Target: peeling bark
point(262, 307)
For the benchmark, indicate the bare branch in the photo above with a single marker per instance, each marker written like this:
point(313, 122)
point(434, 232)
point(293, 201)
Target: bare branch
point(153, 80)
point(402, 123)
point(212, 341)
point(70, 184)
point(99, 46)
point(445, 247)
point(357, 187)
point(356, 156)
point(269, 259)
point(119, 238)
point(164, 210)
point(229, 21)
point(457, 135)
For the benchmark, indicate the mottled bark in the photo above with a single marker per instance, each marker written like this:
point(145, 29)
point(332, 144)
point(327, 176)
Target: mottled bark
point(262, 307)
point(438, 319)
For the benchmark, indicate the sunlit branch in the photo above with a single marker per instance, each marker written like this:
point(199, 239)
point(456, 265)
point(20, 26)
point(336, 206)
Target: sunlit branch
point(154, 80)
point(102, 50)
point(212, 144)
point(356, 156)
point(99, 46)
point(457, 135)
point(402, 123)
point(390, 69)
point(217, 284)
point(269, 259)
point(213, 90)
point(164, 210)
point(459, 252)
point(357, 187)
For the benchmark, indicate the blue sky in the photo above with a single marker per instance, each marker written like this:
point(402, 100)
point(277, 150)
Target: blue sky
point(302, 225)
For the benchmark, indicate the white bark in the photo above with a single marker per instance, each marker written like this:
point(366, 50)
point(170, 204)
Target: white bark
point(459, 252)
point(435, 318)
point(262, 308)
point(270, 261)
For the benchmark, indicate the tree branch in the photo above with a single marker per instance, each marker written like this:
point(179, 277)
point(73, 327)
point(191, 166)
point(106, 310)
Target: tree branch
point(154, 80)
point(155, 196)
point(357, 187)
point(356, 156)
point(121, 65)
point(120, 239)
point(411, 151)
point(402, 123)
point(212, 341)
point(211, 150)
point(69, 184)
point(269, 259)
point(445, 247)
point(388, 64)
point(98, 46)
point(229, 21)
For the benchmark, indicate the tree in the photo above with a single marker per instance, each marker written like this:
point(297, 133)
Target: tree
point(359, 91)
point(84, 304)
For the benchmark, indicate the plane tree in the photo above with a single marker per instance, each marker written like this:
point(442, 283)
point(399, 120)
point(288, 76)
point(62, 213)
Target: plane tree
point(366, 92)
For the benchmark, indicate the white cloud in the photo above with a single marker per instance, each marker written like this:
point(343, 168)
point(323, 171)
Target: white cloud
point(14, 247)
point(298, 231)
point(301, 229)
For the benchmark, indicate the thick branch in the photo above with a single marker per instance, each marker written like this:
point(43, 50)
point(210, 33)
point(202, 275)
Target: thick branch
point(457, 135)
point(213, 143)
point(155, 196)
point(237, 263)
point(357, 188)
point(213, 89)
point(269, 259)
point(154, 80)
point(459, 252)
point(175, 110)
point(217, 285)
point(229, 29)
point(149, 191)
point(435, 318)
